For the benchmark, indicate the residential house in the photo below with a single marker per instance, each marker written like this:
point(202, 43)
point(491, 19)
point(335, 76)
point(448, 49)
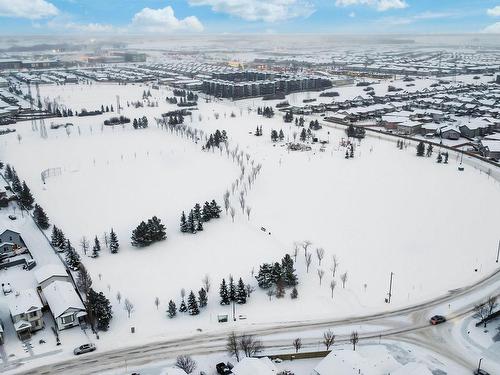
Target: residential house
point(449, 132)
point(51, 272)
point(10, 241)
point(26, 312)
point(64, 303)
point(253, 366)
point(490, 149)
point(409, 127)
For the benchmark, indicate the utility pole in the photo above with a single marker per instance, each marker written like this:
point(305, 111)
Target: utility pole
point(498, 250)
point(388, 300)
point(479, 365)
point(234, 311)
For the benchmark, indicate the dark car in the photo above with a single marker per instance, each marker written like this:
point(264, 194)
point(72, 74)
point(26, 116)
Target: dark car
point(222, 369)
point(86, 348)
point(437, 319)
point(481, 372)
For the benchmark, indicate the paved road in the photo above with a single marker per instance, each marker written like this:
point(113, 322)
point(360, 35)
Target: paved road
point(408, 324)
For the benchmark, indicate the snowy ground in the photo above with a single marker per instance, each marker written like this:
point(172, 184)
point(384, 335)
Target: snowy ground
point(383, 211)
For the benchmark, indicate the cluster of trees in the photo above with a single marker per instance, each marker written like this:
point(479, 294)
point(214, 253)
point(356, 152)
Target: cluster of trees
point(230, 292)
point(106, 109)
point(193, 303)
point(71, 256)
point(22, 190)
point(41, 217)
point(148, 233)
point(98, 306)
point(288, 116)
point(349, 152)
point(117, 120)
point(146, 94)
point(278, 275)
point(305, 134)
point(441, 156)
point(400, 145)
point(171, 100)
point(183, 102)
point(197, 216)
point(176, 119)
point(265, 111)
point(258, 131)
point(247, 344)
point(314, 125)
point(110, 241)
point(275, 135)
point(188, 95)
point(299, 121)
point(140, 123)
point(421, 149)
point(214, 140)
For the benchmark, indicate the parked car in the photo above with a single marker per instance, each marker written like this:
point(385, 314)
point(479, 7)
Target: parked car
point(12, 217)
point(222, 369)
point(86, 348)
point(437, 319)
point(481, 372)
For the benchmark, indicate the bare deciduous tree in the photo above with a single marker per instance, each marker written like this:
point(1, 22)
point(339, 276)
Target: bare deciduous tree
point(492, 304)
point(320, 253)
point(334, 265)
point(242, 202)
point(354, 339)
point(308, 261)
point(249, 289)
point(333, 284)
point(206, 283)
point(328, 339)
point(321, 273)
point(118, 297)
point(270, 294)
point(157, 302)
point(249, 345)
point(295, 251)
point(232, 211)
point(186, 363)
point(232, 346)
point(343, 278)
point(297, 344)
point(248, 209)
point(128, 306)
point(481, 313)
point(305, 246)
point(105, 237)
point(84, 244)
point(226, 200)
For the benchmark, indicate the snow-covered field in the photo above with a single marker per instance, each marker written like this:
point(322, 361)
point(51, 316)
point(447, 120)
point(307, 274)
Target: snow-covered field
point(383, 211)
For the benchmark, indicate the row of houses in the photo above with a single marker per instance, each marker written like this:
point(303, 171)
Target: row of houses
point(55, 294)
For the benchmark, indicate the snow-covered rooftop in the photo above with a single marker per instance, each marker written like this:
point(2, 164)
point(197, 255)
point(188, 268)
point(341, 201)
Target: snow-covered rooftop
point(23, 302)
point(61, 295)
point(45, 272)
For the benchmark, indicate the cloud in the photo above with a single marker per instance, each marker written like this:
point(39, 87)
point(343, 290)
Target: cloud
point(380, 5)
point(494, 12)
point(260, 10)
point(163, 21)
point(30, 9)
point(492, 29)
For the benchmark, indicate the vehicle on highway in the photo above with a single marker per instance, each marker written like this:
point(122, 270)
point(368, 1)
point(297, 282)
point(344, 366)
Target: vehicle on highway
point(85, 348)
point(437, 319)
point(481, 372)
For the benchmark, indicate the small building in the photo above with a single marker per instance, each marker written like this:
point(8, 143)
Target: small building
point(253, 366)
point(49, 273)
point(449, 132)
point(26, 312)
point(64, 303)
point(409, 127)
point(490, 149)
point(10, 236)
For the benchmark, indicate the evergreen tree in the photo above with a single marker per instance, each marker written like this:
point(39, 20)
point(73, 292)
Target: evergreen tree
point(113, 242)
point(215, 209)
point(274, 135)
point(25, 197)
point(183, 307)
point(8, 172)
point(276, 273)
point(206, 213)
point(97, 248)
point(199, 226)
point(58, 239)
point(184, 225)
point(197, 212)
point(294, 293)
point(172, 309)
point(135, 124)
point(264, 277)
point(202, 297)
point(223, 293)
point(191, 223)
point(439, 158)
point(193, 308)
point(156, 229)
point(16, 183)
point(41, 217)
point(241, 293)
point(303, 135)
point(420, 148)
point(99, 309)
point(72, 257)
point(287, 271)
point(429, 150)
point(281, 135)
point(232, 289)
point(446, 155)
point(140, 235)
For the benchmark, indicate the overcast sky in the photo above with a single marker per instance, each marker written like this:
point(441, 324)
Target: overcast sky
point(248, 16)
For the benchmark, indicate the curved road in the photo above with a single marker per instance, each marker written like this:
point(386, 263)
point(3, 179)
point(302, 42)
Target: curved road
point(409, 324)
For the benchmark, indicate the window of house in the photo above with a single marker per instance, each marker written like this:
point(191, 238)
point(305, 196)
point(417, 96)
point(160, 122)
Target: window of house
point(67, 319)
point(32, 314)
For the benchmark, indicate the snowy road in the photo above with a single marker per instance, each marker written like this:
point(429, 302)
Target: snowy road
point(408, 325)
